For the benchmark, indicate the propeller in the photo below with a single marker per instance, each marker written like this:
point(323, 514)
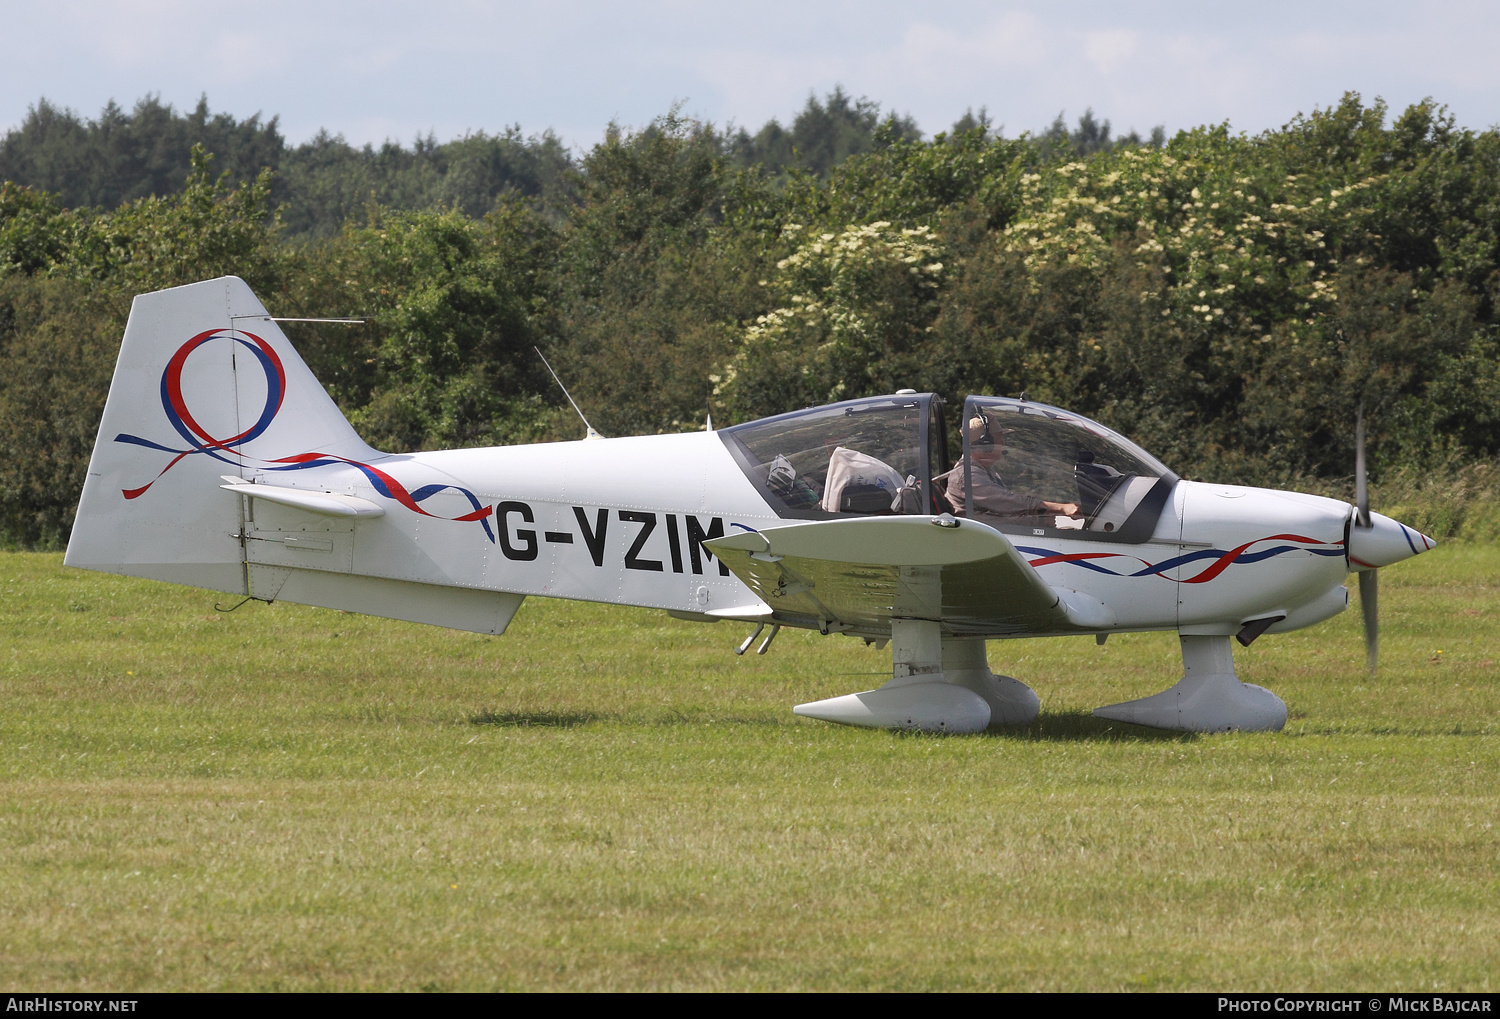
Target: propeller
point(1368, 583)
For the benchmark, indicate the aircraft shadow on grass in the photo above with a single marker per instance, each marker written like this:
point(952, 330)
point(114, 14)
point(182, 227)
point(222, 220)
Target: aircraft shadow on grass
point(1049, 726)
point(534, 719)
point(1085, 727)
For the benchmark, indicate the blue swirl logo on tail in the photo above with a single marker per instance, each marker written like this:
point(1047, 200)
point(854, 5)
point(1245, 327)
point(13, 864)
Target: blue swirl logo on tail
point(200, 442)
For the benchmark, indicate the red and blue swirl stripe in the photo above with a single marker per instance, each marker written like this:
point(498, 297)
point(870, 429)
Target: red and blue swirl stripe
point(226, 450)
point(1221, 559)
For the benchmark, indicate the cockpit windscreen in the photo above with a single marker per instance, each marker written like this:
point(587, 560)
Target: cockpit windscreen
point(1028, 464)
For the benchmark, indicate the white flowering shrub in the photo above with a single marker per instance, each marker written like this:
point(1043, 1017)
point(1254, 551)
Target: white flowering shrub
point(1242, 248)
point(850, 310)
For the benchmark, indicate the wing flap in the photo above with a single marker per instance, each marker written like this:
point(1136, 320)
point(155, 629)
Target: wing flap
point(864, 571)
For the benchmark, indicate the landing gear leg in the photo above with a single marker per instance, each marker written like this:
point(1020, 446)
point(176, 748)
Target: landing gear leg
point(938, 684)
point(1208, 698)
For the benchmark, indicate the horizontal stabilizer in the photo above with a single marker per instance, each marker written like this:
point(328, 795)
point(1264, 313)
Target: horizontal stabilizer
point(325, 503)
point(863, 572)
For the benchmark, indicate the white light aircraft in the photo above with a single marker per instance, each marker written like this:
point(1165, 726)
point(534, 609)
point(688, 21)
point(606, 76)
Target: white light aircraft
point(222, 463)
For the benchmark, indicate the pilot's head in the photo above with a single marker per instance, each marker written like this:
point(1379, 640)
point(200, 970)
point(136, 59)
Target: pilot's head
point(986, 439)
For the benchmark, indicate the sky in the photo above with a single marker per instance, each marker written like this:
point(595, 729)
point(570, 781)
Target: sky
point(380, 70)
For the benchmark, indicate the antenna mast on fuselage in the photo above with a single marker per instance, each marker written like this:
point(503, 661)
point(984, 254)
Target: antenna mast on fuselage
point(589, 432)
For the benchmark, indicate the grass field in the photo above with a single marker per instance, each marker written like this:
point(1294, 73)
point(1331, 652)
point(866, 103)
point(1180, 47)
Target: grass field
point(294, 798)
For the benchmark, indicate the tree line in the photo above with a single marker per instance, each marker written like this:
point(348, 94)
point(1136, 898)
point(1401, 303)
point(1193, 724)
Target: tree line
point(1229, 301)
point(122, 156)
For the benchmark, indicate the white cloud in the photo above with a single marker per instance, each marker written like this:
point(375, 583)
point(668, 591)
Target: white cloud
point(1111, 49)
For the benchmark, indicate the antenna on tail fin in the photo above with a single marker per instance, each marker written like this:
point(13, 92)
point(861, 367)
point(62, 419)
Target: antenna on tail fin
point(590, 433)
point(273, 318)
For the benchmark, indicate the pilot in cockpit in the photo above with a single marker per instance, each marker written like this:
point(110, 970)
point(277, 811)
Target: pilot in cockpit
point(991, 494)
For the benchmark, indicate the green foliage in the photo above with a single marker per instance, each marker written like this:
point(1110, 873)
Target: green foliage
point(66, 280)
point(35, 230)
point(207, 229)
point(1090, 136)
point(1228, 301)
point(326, 181)
point(852, 313)
point(121, 157)
point(655, 269)
point(58, 340)
point(824, 134)
point(453, 303)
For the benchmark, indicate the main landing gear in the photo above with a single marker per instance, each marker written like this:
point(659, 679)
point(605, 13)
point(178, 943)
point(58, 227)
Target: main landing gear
point(938, 684)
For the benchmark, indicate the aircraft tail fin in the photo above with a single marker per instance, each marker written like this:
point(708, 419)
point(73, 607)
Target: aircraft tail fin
point(206, 385)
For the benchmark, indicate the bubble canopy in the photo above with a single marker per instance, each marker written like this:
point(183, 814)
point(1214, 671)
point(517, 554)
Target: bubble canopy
point(1022, 467)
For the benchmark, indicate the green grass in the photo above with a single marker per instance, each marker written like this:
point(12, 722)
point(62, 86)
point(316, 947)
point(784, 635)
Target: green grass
point(293, 798)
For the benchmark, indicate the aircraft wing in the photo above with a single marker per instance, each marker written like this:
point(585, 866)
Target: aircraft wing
point(863, 571)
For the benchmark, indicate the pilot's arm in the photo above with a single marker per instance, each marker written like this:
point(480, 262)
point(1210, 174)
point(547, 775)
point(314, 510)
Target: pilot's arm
point(991, 496)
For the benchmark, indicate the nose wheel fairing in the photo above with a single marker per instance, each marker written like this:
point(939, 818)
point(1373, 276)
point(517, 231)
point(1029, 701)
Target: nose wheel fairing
point(1208, 698)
